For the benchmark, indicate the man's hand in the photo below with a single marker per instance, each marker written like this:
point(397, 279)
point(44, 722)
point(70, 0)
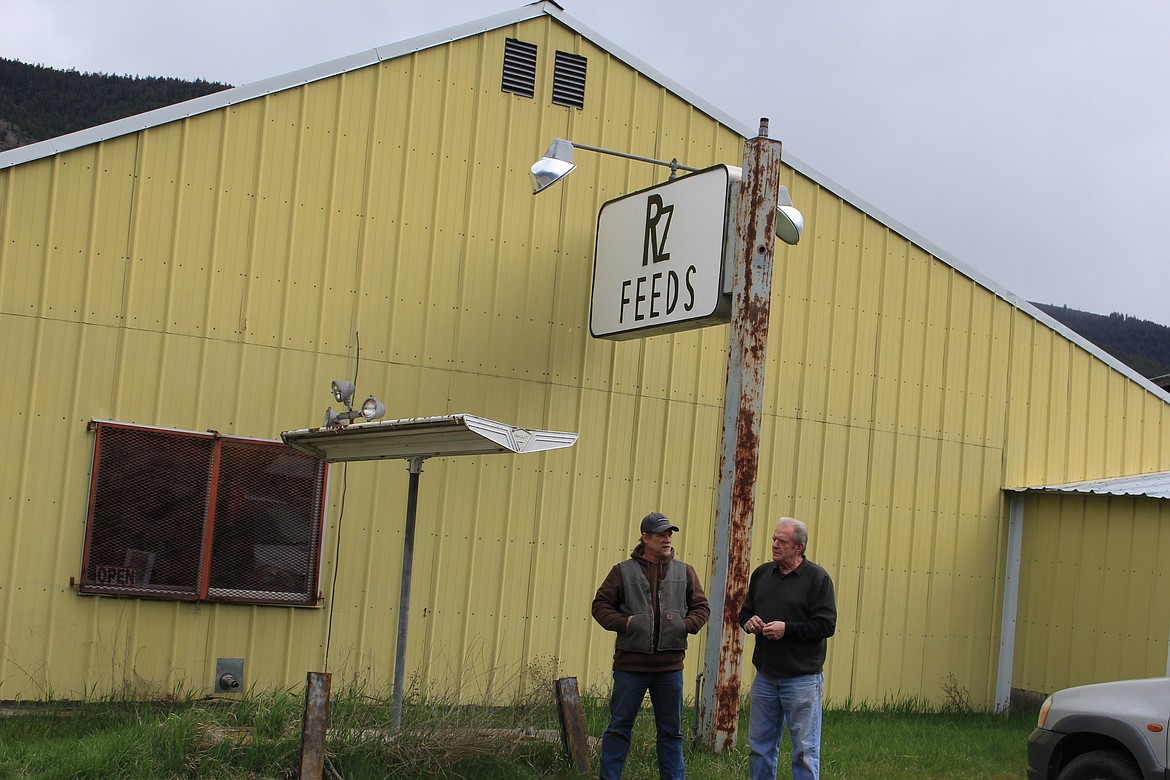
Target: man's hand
point(773, 630)
point(756, 625)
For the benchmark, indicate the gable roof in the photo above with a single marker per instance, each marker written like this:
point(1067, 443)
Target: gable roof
point(325, 70)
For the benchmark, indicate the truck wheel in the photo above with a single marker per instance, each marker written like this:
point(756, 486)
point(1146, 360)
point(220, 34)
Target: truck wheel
point(1101, 765)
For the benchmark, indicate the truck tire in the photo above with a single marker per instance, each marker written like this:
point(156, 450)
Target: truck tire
point(1101, 765)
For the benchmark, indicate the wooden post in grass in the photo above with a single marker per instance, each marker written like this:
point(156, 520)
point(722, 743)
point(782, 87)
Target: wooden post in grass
point(314, 725)
point(572, 724)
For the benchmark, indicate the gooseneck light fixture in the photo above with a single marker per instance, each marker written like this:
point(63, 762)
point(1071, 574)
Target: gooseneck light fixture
point(557, 163)
point(343, 390)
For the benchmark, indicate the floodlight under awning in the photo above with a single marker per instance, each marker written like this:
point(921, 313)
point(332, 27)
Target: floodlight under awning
point(423, 437)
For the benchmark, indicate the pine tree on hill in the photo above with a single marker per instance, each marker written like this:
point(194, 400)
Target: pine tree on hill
point(37, 103)
point(1141, 344)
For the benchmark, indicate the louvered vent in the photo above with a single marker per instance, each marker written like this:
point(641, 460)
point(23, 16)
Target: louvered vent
point(569, 80)
point(519, 68)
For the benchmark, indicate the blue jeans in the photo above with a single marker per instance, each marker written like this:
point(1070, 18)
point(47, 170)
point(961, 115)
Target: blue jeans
point(666, 696)
point(797, 701)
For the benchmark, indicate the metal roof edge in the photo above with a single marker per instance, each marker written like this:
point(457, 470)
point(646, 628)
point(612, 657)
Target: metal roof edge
point(1155, 484)
point(255, 89)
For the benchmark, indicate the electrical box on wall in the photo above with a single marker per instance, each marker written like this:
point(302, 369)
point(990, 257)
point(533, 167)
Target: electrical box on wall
point(229, 675)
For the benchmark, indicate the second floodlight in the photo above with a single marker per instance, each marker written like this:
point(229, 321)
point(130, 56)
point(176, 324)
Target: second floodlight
point(789, 220)
point(343, 390)
point(372, 408)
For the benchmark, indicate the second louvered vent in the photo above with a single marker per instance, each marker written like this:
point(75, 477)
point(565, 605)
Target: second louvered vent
point(569, 80)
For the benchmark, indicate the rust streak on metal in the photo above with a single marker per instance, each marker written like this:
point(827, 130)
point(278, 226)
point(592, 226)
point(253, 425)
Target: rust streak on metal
point(754, 237)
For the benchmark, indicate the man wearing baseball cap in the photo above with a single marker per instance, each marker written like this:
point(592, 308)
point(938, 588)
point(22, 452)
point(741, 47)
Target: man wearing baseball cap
point(652, 601)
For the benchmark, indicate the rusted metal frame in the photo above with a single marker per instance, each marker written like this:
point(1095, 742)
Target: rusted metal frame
point(321, 501)
point(203, 587)
point(751, 248)
point(404, 595)
point(93, 482)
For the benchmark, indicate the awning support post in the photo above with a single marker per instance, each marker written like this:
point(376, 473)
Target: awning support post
point(404, 595)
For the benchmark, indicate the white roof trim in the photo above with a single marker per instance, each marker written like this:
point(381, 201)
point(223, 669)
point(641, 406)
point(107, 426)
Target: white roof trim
point(246, 92)
point(326, 70)
point(1155, 485)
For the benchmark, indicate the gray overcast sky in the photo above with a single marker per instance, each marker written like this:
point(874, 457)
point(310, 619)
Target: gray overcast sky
point(1030, 141)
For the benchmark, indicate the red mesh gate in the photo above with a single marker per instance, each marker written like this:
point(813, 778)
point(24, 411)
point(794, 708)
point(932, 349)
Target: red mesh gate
point(183, 515)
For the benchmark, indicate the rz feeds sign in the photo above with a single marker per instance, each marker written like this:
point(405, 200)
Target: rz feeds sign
point(659, 261)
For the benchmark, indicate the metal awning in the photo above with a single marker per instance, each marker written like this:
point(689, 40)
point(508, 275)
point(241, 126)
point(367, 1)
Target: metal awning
point(414, 439)
point(1153, 485)
point(423, 437)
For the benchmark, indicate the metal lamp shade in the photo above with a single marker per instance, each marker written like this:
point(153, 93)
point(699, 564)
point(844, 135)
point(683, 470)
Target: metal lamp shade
point(789, 220)
point(554, 166)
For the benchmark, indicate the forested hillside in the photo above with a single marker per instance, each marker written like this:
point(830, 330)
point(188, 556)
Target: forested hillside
point(37, 103)
point(1140, 344)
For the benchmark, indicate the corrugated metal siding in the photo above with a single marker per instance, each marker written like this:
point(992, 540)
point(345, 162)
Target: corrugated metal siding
point(218, 271)
point(1094, 591)
point(882, 439)
point(1057, 392)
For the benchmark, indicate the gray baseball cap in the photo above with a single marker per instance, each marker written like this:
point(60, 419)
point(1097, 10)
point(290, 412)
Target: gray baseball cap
point(656, 523)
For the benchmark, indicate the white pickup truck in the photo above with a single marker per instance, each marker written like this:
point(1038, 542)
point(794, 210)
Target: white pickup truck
point(1107, 731)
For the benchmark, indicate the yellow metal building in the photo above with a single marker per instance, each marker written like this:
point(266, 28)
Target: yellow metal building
point(212, 266)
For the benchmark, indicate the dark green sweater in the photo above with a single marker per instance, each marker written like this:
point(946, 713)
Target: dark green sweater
point(804, 600)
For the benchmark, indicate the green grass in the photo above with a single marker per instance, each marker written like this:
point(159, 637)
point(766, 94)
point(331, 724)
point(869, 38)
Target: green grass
point(259, 737)
point(878, 744)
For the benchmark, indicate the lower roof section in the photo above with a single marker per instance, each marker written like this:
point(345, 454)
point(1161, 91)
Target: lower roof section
point(1155, 485)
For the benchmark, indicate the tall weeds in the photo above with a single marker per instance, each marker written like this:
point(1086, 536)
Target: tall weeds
point(258, 736)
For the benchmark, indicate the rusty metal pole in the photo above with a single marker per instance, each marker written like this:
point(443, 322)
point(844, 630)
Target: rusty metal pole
point(751, 249)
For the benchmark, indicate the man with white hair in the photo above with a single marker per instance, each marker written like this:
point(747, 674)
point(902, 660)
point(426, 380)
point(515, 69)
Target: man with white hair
point(791, 609)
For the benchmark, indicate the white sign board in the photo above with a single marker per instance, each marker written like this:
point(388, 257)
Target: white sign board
point(659, 261)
